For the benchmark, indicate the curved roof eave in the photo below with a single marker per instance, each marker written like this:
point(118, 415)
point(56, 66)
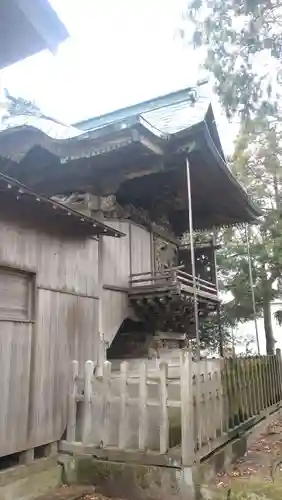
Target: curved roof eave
point(117, 135)
point(16, 142)
point(255, 211)
point(203, 129)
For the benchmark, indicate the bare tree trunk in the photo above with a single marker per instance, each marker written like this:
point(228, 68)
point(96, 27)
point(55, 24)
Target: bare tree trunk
point(270, 342)
point(277, 192)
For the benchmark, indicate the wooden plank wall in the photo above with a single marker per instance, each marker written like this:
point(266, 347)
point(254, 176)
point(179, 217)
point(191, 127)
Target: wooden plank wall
point(115, 310)
point(122, 257)
point(125, 256)
point(15, 350)
point(115, 273)
point(140, 246)
point(67, 326)
point(35, 357)
point(60, 263)
point(116, 257)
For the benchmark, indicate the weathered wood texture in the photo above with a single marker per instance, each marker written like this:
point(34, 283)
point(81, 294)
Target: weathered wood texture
point(66, 324)
point(35, 353)
point(116, 257)
point(15, 352)
point(128, 255)
point(60, 262)
point(140, 244)
point(146, 405)
point(122, 257)
point(115, 310)
point(196, 406)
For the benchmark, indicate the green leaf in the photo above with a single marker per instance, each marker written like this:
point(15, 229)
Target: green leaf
point(232, 50)
point(256, 164)
point(196, 4)
point(197, 38)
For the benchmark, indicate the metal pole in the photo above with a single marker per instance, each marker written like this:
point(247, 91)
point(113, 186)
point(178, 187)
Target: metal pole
point(252, 286)
point(190, 216)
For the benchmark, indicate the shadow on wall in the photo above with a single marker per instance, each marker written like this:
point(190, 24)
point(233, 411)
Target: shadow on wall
point(132, 340)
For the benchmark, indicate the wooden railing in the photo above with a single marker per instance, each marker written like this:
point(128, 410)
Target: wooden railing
point(250, 385)
point(171, 277)
point(192, 407)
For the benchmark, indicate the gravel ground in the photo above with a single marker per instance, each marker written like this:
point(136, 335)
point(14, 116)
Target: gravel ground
point(258, 475)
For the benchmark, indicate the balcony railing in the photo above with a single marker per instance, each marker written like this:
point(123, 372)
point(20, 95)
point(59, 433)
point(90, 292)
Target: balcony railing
point(172, 278)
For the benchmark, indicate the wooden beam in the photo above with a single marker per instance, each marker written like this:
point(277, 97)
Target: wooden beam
point(152, 146)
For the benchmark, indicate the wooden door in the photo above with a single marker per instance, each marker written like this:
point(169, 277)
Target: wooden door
point(16, 328)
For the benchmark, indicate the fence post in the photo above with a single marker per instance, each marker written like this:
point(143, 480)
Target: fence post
point(272, 366)
point(208, 407)
point(187, 434)
point(101, 356)
point(143, 410)
point(279, 375)
point(261, 390)
point(242, 388)
point(123, 418)
point(227, 397)
point(105, 402)
point(214, 403)
point(255, 384)
point(71, 426)
point(271, 371)
point(250, 386)
point(276, 379)
point(87, 402)
point(164, 427)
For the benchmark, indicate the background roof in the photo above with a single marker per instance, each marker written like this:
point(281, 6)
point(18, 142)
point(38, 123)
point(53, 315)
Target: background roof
point(169, 113)
point(35, 204)
point(53, 129)
point(28, 27)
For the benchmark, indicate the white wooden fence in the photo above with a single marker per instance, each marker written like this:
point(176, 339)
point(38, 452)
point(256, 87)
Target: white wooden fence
point(146, 409)
point(190, 406)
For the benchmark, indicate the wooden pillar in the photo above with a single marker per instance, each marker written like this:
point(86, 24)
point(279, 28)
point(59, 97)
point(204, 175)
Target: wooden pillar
point(220, 335)
point(187, 409)
point(101, 339)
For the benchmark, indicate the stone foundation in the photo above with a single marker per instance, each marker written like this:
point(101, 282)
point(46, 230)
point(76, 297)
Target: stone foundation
point(28, 482)
point(124, 474)
point(127, 480)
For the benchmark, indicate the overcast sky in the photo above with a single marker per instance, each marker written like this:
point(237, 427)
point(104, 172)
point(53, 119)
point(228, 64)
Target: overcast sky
point(119, 53)
point(247, 332)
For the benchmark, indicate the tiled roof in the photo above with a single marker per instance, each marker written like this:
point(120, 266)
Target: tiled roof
point(173, 118)
point(170, 113)
point(18, 112)
point(48, 126)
